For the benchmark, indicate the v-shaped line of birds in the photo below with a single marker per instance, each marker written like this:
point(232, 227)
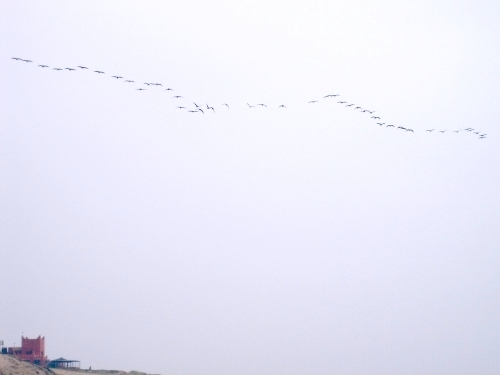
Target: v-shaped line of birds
point(200, 109)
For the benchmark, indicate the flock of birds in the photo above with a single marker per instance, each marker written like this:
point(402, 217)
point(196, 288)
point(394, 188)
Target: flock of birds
point(202, 109)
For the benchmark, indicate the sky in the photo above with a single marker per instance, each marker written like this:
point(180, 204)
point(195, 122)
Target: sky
point(249, 239)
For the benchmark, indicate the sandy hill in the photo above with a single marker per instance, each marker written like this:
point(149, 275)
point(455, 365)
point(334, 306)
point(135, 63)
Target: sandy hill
point(12, 366)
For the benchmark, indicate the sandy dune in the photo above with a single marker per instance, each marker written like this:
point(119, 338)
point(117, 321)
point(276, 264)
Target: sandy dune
point(12, 366)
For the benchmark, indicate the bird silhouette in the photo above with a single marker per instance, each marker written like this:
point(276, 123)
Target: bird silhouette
point(141, 89)
point(250, 106)
point(227, 105)
point(128, 80)
point(177, 96)
point(70, 69)
point(99, 72)
point(169, 89)
point(341, 102)
point(82, 67)
point(117, 77)
point(430, 130)
point(282, 106)
point(313, 101)
point(57, 69)
point(16, 58)
point(43, 66)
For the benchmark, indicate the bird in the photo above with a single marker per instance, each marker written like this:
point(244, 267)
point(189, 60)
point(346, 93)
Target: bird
point(169, 89)
point(140, 89)
point(82, 67)
point(157, 84)
point(180, 107)
point(250, 106)
point(197, 106)
point(16, 58)
point(212, 108)
point(70, 69)
point(26, 60)
point(410, 130)
point(193, 111)
point(389, 126)
point(177, 96)
point(357, 108)
point(99, 72)
point(456, 131)
point(330, 96)
point(146, 83)
point(262, 105)
point(117, 77)
point(381, 123)
point(375, 117)
point(43, 66)
point(349, 105)
point(227, 105)
point(282, 106)
point(57, 69)
point(341, 102)
point(370, 112)
point(313, 101)
point(201, 110)
point(430, 130)
point(128, 80)
point(442, 131)
point(400, 127)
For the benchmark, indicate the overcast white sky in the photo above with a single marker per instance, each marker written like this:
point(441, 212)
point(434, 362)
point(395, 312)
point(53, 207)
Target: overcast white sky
point(308, 240)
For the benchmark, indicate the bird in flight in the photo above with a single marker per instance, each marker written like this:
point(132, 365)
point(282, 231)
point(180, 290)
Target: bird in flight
point(349, 105)
point(313, 101)
point(212, 108)
point(330, 96)
point(250, 106)
point(389, 126)
point(193, 111)
point(177, 96)
point(341, 102)
point(70, 69)
point(196, 105)
point(357, 108)
point(98, 71)
point(262, 105)
point(409, 130)
point(180, 107)
point(442, 131)
point(227, 105)
point(82, 67)
point(43, 66)
point(381, 123)
point(117, 77)
point(16, 58)
point(201, 110)
point(128, 80)
point(282, 106)
point(140, 89)
point(169, 89)
point(375, 117)
point(430, 130)
point(456, 131)
point(26, 60)
point(57, 69)
point(400, 127)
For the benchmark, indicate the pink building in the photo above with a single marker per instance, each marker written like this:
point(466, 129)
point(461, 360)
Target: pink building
point(31, 350)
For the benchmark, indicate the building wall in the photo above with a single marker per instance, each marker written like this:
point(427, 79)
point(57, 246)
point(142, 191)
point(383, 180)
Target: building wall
point(31, 350)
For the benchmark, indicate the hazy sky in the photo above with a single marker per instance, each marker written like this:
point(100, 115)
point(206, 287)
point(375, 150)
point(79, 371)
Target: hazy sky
point(308, 240)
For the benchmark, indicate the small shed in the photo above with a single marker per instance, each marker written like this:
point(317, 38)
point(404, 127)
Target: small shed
point(64, 363)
